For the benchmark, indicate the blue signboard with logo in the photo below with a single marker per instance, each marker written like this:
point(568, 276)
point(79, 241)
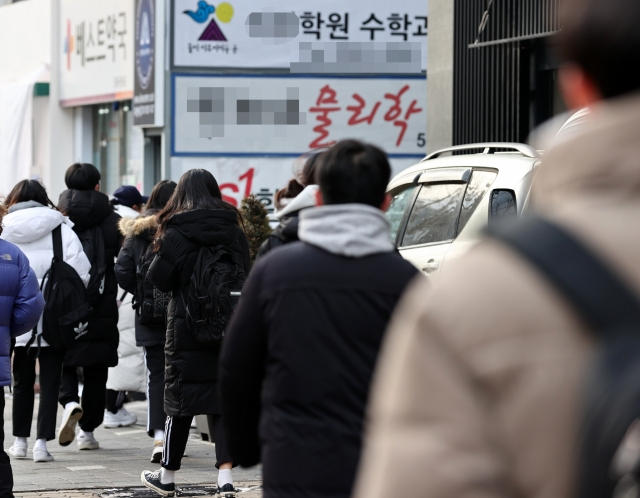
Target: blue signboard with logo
point(144, 100)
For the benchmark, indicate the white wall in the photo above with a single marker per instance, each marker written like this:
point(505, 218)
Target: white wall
point(25, 37)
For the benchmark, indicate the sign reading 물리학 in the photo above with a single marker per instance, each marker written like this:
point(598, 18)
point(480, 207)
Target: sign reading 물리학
point(283, 33)
point(97, 51)
point(269, 115)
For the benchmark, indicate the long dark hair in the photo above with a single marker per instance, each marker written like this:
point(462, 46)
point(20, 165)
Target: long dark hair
point(28, 190)
point(197, 189)
point(160, 195)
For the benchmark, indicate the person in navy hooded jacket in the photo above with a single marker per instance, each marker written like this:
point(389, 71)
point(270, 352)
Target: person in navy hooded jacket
point(21, 305)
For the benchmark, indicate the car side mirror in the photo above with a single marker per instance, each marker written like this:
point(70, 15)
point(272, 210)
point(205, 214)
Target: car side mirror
point(502, 205)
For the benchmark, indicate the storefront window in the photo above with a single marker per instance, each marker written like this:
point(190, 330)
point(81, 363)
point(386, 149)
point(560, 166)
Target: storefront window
point(117, 146)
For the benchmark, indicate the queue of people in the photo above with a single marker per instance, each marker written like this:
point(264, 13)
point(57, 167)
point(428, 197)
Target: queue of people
point(480, 383)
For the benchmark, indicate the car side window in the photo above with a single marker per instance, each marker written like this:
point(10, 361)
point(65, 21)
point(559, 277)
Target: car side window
point(434, 216)
point(479, 185)
point(399, 202)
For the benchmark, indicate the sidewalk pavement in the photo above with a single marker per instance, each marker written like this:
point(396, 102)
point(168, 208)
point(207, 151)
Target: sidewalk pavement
point(124, 453)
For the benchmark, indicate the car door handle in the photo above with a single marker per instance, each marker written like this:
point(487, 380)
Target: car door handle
point(431, 265)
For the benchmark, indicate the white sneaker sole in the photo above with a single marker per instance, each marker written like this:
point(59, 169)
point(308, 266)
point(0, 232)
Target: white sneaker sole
point(45, 458)
point(18, 456)
point(154, 488)
point(115, 425)
point(89, 446)
point(68, 428)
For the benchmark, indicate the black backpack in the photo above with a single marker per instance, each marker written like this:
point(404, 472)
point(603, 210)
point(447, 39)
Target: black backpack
point(67, 308)
point(150, 303)
point(214, 291)
point(610, 442)
point(93, 247)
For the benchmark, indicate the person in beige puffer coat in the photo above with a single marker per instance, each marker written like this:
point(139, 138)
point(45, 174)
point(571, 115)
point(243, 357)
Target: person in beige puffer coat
point(478, 392)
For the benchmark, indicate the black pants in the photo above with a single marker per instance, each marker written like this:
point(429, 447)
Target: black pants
point(176, 434)
point(93, 394)
point(24, 376)
point(6, 476)
point(154, 359)
point(115, 400)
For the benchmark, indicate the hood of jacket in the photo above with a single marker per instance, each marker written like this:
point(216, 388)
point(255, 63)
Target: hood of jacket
point(207, 227)
point(352, 230)
point(601, 164)
point(123, 211)
point(144, 225)
point(29, 223)
point(86, 208)
point(305, 199)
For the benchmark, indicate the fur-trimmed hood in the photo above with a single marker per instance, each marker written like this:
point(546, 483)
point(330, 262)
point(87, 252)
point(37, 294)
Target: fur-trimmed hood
point(143, 225)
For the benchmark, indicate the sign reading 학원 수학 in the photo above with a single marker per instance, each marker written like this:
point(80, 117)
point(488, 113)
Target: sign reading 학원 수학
point(303, 36)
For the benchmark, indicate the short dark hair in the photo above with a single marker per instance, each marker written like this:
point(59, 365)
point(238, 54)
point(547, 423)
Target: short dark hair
point(353, 172)
point(603, 38)
point(82, 176)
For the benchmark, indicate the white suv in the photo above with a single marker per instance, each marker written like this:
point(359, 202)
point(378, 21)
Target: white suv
point(440, 206)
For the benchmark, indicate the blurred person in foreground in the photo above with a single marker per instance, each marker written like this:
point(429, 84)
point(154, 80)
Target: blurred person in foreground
point(21, 305)
point(479, 389)
point(299, 353)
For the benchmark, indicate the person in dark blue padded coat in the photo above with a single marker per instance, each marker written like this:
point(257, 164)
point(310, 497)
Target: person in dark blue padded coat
point(21, 305)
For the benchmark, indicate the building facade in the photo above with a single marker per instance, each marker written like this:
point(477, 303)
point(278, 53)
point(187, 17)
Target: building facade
point(492, 75)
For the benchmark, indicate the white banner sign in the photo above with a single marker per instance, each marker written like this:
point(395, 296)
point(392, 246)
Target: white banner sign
point(239, 177)
point(97, 48)
point(287, 116)
point(268, 33)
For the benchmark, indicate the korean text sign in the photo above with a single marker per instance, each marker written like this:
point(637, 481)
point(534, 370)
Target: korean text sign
point(267, 33)
point(97, 51)
point(285, 115)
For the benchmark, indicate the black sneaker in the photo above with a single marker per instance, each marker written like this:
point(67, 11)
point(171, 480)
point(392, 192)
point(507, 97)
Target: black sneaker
point(227, 491)
point(152, 481)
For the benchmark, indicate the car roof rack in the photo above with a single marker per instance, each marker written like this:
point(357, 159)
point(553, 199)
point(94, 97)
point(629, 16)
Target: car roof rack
point(489, 148)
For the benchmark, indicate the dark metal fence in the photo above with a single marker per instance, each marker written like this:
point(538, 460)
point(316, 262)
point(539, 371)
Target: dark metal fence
point(497, 47)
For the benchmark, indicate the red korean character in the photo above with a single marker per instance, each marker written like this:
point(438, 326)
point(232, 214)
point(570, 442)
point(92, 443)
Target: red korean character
point(327, 96)
point(357, 109)
point(395, 111)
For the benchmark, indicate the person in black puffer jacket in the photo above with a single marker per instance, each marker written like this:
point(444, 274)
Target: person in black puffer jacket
point(195, 217)
point(97, 349)
point(299, 194)
point(139, 234)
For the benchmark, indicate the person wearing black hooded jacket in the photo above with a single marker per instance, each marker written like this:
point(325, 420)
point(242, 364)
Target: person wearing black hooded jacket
point(97, 349)
point(139, 234)
point(195, 217)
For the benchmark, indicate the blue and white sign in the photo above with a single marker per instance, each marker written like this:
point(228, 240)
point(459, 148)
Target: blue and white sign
point(145, 88)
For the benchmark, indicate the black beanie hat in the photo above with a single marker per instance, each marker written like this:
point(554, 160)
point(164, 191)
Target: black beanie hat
point(82, 176)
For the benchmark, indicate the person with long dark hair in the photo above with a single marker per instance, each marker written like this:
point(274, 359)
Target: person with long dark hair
point(195, 217)
point(29, 224)
point(150, 331)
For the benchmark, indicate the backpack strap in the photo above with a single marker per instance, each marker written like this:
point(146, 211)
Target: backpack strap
point(604, 300)
point(57, 243)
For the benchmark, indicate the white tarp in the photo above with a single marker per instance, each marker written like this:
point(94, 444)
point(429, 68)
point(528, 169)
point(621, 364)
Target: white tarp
point(16, 130)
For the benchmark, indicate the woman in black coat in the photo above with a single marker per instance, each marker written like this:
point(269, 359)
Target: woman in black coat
point(139, 234)
point(195, 217)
